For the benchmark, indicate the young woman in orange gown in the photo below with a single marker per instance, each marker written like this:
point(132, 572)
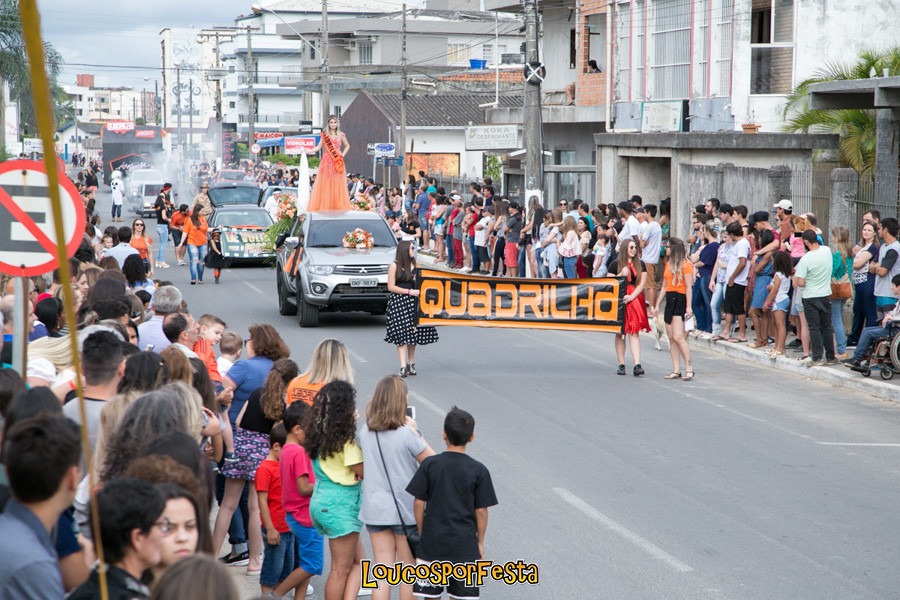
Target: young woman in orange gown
point(330, 189)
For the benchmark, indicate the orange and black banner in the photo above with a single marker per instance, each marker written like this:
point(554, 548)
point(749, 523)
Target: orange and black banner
point(573, 304)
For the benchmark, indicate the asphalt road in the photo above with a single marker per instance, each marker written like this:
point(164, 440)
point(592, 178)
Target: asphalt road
point(746, 483)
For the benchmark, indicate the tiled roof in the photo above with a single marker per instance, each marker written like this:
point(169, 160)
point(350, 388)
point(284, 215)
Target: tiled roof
point(451, 110)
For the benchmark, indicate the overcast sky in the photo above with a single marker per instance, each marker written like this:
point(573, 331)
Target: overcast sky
point(124, 34)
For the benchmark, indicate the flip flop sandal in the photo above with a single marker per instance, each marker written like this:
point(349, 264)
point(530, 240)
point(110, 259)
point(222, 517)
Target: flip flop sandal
point(673, 375)
point(688, 375)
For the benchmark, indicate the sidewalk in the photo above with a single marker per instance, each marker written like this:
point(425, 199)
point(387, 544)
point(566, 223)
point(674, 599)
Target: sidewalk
point(838, 375)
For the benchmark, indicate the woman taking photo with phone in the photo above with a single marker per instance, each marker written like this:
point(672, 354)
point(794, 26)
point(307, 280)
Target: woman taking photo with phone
point(402, 310)
point(392, 450)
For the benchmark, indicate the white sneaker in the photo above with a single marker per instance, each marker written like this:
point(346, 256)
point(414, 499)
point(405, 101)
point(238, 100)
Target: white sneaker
point(364, 592)
point(309, 590)
point(466, 270)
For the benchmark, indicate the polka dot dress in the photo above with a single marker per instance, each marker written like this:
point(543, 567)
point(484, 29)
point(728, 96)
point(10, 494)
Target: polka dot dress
point(401, 323)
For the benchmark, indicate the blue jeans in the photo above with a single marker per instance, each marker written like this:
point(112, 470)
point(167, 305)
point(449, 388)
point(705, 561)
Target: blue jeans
point(237, 529)
point(116, 211)
point(569, 266)
point(837, 323)
point(701, 314)
point(163, 232)
point(476, 262)
point(197, 255)
point(868, 337)
point(715, 310)
point(543, 271)
point(451, 259)
point(864, 314)
point(705, 306)
point(521, 261)
point(278, 561)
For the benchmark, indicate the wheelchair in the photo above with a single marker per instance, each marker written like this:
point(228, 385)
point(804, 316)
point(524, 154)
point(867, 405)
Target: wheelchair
point(884, 354)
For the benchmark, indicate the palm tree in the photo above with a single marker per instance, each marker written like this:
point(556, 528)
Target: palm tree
point(856, 127)
point(14, 62)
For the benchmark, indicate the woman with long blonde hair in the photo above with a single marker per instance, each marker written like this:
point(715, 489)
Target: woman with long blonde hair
point(330, 189)
point(841, 266)
point(330, 362)
point(678, 279)
point(570, 249)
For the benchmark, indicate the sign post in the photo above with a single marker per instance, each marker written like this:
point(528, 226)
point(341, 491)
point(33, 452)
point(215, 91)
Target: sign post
point(255, 148)
point(27, 229)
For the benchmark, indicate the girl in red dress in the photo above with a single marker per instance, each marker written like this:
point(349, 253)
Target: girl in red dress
point(330, 189)
point(632, 269)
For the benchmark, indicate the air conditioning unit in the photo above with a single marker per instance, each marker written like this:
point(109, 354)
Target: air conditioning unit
point(351, 45)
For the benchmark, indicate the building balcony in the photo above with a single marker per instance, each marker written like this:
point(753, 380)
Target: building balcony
point(287, 118)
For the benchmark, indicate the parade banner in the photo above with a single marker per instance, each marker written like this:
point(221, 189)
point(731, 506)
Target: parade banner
point(570, 304)
point(243, 242)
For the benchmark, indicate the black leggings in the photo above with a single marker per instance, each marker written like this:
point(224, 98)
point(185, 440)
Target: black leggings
point(499, 263)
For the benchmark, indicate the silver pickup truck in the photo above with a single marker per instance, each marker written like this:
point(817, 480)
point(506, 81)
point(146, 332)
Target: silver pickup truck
point(315, 272)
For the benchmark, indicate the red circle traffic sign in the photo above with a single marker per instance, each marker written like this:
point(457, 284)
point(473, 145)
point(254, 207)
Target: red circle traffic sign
point(255, 148)
point(27, 232)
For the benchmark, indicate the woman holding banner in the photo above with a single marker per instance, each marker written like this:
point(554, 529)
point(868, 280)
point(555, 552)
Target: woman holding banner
point(632, 269)
point(402, 309)
point(330, 190)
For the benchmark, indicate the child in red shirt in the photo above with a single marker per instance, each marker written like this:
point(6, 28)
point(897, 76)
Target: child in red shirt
point(298, 481)
point(278, 558)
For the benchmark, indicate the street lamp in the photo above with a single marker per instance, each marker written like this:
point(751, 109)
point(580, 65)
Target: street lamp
point(323, 64)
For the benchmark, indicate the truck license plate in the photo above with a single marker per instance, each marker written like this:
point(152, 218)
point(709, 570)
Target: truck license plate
point(363, 283)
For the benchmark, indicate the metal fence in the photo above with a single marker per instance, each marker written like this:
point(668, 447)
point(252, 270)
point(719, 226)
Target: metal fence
point(808, 187)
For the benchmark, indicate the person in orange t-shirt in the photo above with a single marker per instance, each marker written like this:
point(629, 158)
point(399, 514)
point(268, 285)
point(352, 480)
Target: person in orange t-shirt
point(195, 229)
point(176, 226)
point(679, 278)
point(211, 330)
point(330, 362)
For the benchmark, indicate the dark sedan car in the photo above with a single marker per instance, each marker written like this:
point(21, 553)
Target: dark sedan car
point(234, 192)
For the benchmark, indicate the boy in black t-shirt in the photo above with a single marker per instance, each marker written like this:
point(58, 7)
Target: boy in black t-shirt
point(446, 487)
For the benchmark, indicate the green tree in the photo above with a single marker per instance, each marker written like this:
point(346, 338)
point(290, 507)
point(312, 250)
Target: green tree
point(855, 127)
point(14, 65)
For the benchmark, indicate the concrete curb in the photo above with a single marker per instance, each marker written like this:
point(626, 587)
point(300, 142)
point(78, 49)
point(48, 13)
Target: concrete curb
point(837, 375)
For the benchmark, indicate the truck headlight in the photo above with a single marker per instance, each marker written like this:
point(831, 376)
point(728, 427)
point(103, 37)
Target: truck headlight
point(320, 269)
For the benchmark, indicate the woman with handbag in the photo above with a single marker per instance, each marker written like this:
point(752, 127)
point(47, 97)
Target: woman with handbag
point(841, 290)
point(392, 451)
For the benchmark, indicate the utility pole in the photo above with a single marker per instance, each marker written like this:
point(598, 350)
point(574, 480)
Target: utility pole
point(326, 81)
point(191, 114)
point(403, 83)
point(251, 100)
point(178, 100)
point(534, 146)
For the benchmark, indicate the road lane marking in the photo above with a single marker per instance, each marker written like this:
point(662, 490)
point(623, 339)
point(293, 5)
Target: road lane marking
point(356, 356)
point(419, 398)
point(254, 288)
point(622, 531)
point(872, 444)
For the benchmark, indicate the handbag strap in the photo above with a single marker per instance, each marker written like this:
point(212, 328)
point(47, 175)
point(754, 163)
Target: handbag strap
point(388, 477)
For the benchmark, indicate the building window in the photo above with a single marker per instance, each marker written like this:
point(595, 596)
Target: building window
point(457, 54)
point(622, 61)
point(231, 105)
point(338, 111)
point(487, 54)
point(565, 183)
point(573, 49)
point(670, 52)
point(772, 47)
point(365, 53)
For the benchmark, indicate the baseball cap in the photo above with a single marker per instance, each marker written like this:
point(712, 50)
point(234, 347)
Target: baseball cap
point(758, 217)
point(640, 209)
point(515, 206)
point(456, 197)
point(785, 205)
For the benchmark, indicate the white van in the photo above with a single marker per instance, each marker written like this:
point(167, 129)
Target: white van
point(143, 187)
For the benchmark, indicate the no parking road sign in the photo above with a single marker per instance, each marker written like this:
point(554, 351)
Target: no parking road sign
point(27, 229)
